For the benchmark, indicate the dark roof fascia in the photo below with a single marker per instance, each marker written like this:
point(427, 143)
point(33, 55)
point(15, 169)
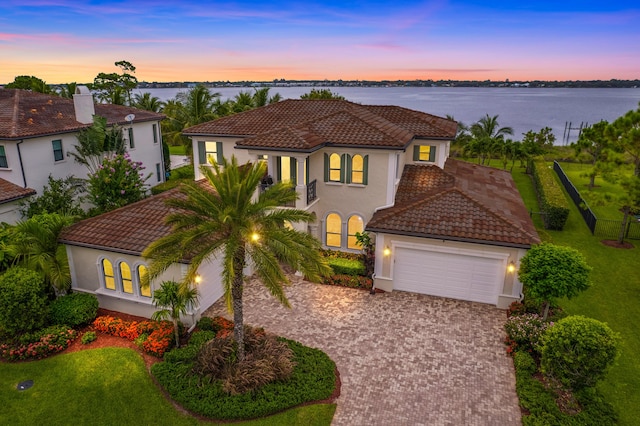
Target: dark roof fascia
point(19, 197)
point(448, 238)
point(427, 138)
point(217, 135)
point(264, 148)
point(109, 249)
point(323, 145)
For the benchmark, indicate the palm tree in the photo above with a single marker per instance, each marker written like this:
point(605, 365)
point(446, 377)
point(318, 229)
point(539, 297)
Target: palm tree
point(240, 228)
point(175, 300)
point(35, 246)
point(147, 102)
point(487, 136)
point(67, 90)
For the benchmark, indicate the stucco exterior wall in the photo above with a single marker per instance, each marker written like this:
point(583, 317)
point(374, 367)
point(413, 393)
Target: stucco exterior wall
point(10, 212)
point(442, 151)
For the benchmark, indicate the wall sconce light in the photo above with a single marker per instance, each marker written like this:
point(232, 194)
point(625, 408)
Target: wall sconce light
point(198, 279)
point(511, 268)
point(386, 251)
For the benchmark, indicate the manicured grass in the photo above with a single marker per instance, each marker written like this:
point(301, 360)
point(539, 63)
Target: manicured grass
point(614, 298)
point(177, 150)
point(603, 209)
point(108, 386)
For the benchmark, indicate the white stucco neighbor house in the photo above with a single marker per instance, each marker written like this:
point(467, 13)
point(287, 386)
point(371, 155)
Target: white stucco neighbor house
point(442, 227)
point(38, 131)
point(10, 197)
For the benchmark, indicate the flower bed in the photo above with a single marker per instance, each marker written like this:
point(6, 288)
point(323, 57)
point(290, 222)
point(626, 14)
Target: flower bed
point(159, 334)
point(40, 344)
point(353, 281)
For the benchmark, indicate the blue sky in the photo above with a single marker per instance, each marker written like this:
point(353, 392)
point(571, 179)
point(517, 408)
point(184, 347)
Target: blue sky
point(62, 40)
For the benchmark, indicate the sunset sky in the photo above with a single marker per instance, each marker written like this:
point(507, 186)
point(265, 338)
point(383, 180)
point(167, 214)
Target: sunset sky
point(63, 41)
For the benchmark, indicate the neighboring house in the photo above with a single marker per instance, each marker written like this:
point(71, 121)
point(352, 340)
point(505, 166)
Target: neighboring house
point(105, 258)
point(10, 197)
point(37, 132)
point(442, 226)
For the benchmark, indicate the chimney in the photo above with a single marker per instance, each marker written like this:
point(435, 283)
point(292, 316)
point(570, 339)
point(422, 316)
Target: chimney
point(83, 105)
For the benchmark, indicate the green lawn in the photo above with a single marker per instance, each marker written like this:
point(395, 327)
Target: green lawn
point(109, 386)
point(614, 298)
point(177, 150)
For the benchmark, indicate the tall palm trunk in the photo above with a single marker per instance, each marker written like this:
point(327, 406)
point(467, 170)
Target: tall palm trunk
point(236, 291)
point(623, 226)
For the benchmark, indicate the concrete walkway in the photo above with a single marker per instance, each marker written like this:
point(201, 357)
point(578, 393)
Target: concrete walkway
point(404, 359)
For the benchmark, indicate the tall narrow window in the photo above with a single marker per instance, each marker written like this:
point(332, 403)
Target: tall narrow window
point(354, 225)
point(335, 169)
point(158, 172)
point(357, 169)
point(3, 158)
point(334, 230)
point(58, 155)
point(125, 275)
point(143, 275)
point(155, 133)
point(132, 144)
point(109, 277)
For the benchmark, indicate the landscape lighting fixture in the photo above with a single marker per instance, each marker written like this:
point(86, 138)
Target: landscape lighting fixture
point(198, 279)
point(511, 268)
point(386, 251)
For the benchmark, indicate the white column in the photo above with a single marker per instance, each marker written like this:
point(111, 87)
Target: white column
point(301, 187)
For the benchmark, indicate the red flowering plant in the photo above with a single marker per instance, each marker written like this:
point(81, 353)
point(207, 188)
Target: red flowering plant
point(159, 333)
point(40, 344)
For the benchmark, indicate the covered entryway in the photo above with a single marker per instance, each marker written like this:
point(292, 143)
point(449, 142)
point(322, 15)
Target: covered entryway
point(454, 275)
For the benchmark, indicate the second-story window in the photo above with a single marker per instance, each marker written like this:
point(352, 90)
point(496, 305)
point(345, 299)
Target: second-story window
point(209, 149)
point(424, 153)
point(3, 158)
point(58, 155)
point(155, 133)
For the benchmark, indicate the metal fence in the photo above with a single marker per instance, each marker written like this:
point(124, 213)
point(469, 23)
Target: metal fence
point(607, 228)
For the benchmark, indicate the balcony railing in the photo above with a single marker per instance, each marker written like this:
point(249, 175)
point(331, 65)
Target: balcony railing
point(311, 193)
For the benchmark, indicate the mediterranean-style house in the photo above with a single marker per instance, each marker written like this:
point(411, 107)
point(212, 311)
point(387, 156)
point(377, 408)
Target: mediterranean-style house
point(441, 226)
point(37, 132)
point(10, 197)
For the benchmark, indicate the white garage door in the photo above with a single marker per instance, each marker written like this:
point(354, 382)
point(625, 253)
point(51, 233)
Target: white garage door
point(478, 279)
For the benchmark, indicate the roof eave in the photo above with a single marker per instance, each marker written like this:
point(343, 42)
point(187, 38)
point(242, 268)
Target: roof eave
point(109, 249)
point(447, 238)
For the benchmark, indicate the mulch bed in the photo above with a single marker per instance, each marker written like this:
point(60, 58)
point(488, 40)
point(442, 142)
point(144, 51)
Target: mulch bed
point(616, 244)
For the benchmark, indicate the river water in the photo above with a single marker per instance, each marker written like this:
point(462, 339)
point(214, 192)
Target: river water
point(521, 108)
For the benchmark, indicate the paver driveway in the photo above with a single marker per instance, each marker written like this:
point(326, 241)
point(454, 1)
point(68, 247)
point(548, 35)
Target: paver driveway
point(404, 359)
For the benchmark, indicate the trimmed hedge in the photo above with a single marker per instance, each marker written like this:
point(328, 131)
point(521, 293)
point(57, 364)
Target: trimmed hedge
point(346, 266)
point(23, 301)
point(313, 379)
point(74, 309)
point(552, 200)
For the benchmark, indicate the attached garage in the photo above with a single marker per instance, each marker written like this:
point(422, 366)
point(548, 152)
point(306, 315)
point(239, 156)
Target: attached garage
point(453, 275)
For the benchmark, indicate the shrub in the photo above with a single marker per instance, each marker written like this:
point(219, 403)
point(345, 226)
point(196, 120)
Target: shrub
point(23, 301)
point(88, 337)
point(343, 266)
point(39, 344)
point(160, 333)
point(74, 310)
point(165, 186)
point(578, 351)
point(552, 200)
point(313, 379)
point(526, 331)
point(349, 281)
point(184, 172)
point(199, 338)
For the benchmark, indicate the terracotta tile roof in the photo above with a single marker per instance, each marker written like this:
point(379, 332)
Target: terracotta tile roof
point(25, 114)
point(463, 202)
point(129, 229)
point(10, 191)
point(310, 124)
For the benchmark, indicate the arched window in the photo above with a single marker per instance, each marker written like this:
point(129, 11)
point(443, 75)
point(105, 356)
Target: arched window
point(109, 277)
point(357, 169)
point(143, 274)
point(335, 168)
point(334, 230)
point(355, 224)
point(125, 276)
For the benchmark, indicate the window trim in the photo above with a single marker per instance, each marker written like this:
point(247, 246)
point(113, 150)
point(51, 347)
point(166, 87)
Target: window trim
point(122, 279)
point(349, 234)
point(118, 292)
point(138, 281)
point(104, 275)
point(203, 158)
point(326, 230)
point(432, 153)
point(132, 144)
point(3, 156)
point(60, 150)
point(154, 129)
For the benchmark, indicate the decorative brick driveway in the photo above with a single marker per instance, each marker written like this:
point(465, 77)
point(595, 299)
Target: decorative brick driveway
point(404, 359)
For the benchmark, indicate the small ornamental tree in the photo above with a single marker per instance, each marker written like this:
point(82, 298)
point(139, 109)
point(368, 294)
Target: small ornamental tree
point(23, 301)
point(174, 300)
point(578, 351)
point(549, 271)
point(118, 181)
